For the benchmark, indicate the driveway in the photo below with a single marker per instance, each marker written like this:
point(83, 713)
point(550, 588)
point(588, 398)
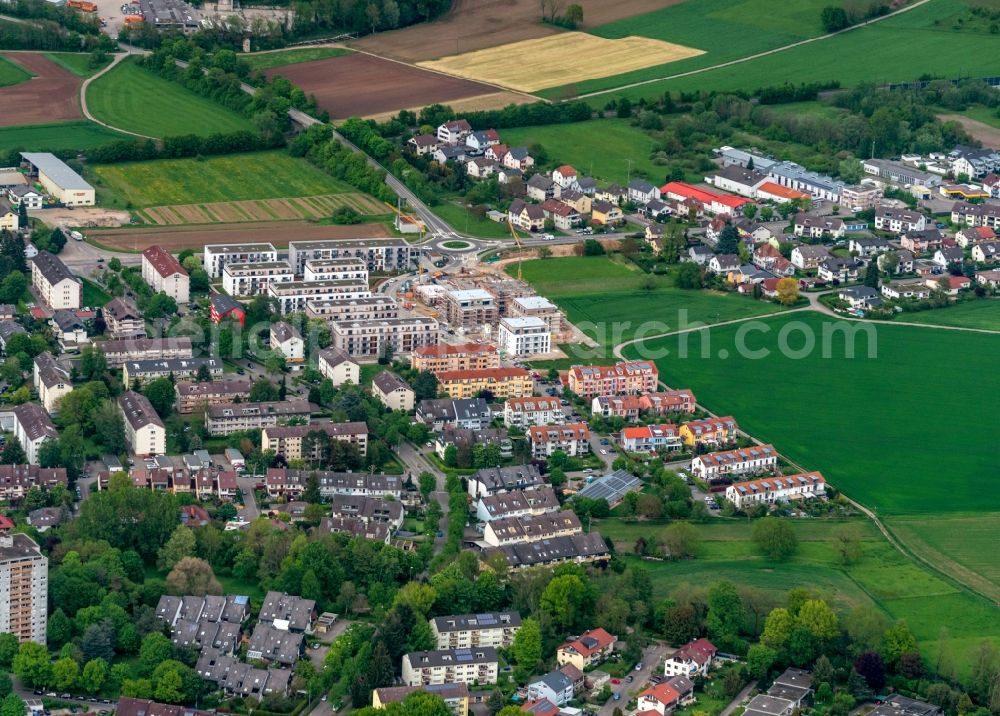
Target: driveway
point(653, 657)
point(417, 463)
point(250, 511)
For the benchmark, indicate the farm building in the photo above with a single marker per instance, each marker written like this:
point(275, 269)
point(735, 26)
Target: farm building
point(58, 179)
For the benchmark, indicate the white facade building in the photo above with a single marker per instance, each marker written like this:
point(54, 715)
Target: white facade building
point(527, 335)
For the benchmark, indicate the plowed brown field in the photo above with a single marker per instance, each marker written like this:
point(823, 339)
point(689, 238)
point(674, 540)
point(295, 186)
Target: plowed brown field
point(52, 95)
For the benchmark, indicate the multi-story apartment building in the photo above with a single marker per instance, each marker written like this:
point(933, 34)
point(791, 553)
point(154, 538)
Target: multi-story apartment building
point(465, 356)
point(769, 490)
point(144, 431)
point(24, 588)
point(525, 412)
point(353, 309)
point(899, 220)
point(531, 528)
point(976, 214)
point(861, 197)
point(117, 352)
point(380, 255)
point(589, 381)
point(368, 339)
point(286, 339)
point(143, 371)
point(335, 269)
point(710, 431)
point(252, 279)
point(51, 381)
point(32, 427)
point(517, 503)
point(502, 383)
point(455, 696)
point(294, 295)
point(54, 283)
point(538, 307)
point(451, 666)
point(392, 391)
point(470, 309)
point(228, 418)
point(194, 397)
point(572, 439)
point(651, 438)
point(290, 440)
point(742, 461)
point(496, 629)
point(164, 273)
point(216, 256)
point(338, 366)
point(285, 482)
point(524, 336)
point(124, 319)
point(16, 480)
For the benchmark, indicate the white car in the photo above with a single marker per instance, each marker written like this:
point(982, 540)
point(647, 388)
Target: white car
point(603, 451)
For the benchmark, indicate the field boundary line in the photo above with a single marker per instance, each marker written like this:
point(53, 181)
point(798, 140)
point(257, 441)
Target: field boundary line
point(485, 83)
point(886, 532)
point(119, 56)
point(756, 56)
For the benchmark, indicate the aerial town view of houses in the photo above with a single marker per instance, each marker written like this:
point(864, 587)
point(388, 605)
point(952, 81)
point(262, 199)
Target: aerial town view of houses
point(464, 357)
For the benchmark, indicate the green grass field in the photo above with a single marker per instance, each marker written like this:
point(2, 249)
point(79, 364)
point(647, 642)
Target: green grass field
point(876, 427)
point(268, 60)
point(903, 48)
point(725, 30)
point(598, 148)
point(466, 222)
point(972, 314)
point(257, 175)
point(986, 115)
point(76, 62)
point(130, 98)
point(881, 577)
point(57, 136)
point(11, 74)
point(94, 295)
point(606, 299)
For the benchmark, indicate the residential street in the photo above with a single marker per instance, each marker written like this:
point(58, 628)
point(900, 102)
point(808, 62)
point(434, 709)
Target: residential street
point(417, 463)
point(250, 510)
point(652, 662)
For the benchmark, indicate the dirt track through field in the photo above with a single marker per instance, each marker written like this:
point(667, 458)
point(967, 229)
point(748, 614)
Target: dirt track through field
point(478, 24)
point(985, 133)
point(178, 238)
point(360, 85)
point(51, 95)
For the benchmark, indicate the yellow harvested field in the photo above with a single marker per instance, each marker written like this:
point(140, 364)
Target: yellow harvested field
point(568, 57)
point(494, 100)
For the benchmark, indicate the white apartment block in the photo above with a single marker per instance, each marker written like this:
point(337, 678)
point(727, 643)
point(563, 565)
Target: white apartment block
point(335, 269)
point(470, 309)
point(144, 431)
point(55, 284)
point(32, 427)
point(353, 309)
point(898, 220)
point(216, 256)
point(380, 255)
point(537, 307)
point(253, 279)
point(496, 629)
point(365, 339)
point(742, 461)
point(338, 366)
point(24, 588)
point(51, 381)
point(164, 274)
point(286, 338)
point(294, 295)
point(769, 490)
point(526, 412)
point(451, 666)
point(525, 336)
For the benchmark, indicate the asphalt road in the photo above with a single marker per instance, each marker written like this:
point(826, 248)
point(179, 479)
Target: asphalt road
point(250, 510)
point(652, 661)
point(416, 463)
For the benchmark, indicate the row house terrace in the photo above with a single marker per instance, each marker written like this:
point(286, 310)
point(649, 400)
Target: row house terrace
point(742, 461)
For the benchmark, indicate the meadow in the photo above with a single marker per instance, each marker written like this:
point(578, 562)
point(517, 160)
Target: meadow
point(269, 60)
point(724, 30)
point(902, 48)
point(76, 62)
point(610, 301)
point(254, 175)
point(11, 74)
point(57, 136)
point(984, 314)
point(598, 148)
point(465, 221)
point(881, 429)
point(881, 577)
point(132, 99)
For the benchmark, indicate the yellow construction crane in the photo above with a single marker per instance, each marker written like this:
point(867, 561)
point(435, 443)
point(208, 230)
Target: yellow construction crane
point(517, 241)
